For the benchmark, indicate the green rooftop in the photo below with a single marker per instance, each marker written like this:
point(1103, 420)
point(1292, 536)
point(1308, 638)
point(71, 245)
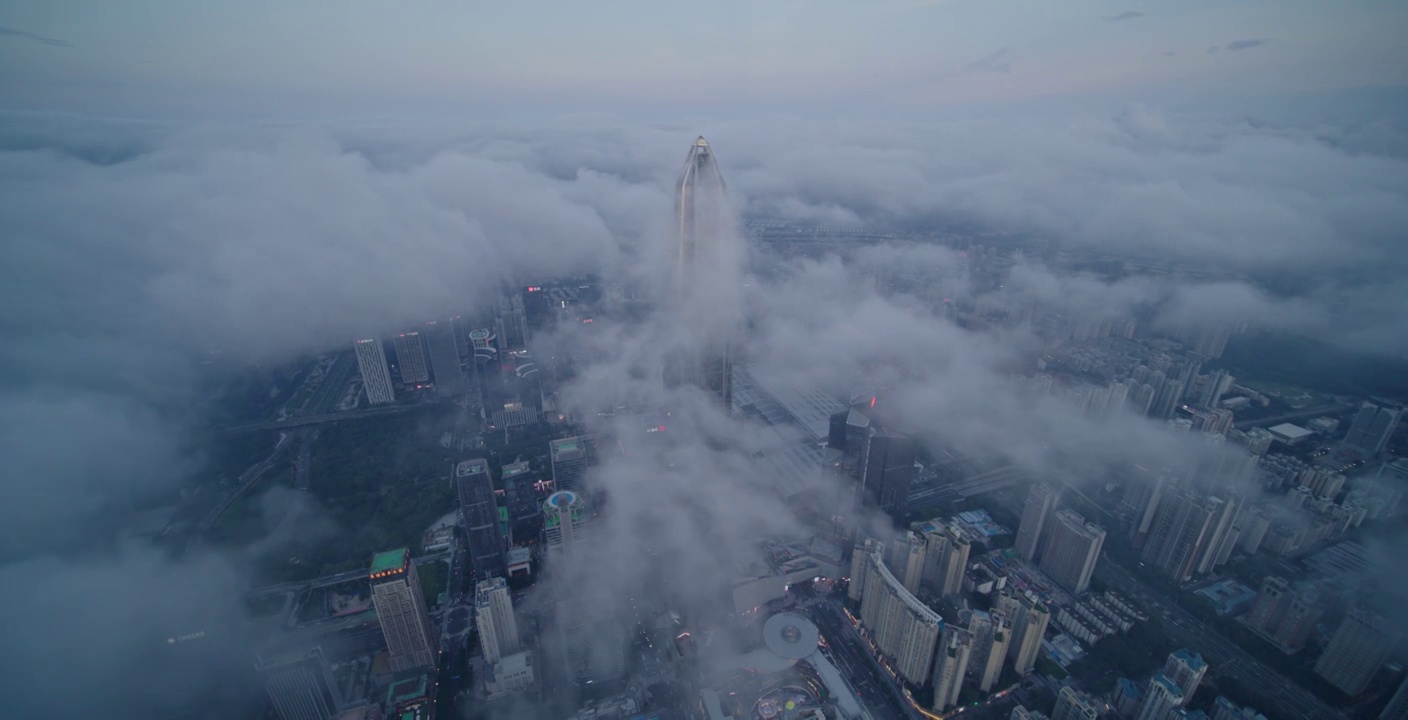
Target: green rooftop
point(389, 560)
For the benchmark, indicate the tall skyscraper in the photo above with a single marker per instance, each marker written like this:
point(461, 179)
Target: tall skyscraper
point(1356, 651)
point(1161, 699)
point(410, 357)
point(878, 462)
point(950, 667)
point(301, 685)
point(1028, 630)
point(1041, 500)
point(1372, 428)
point(913, 554)
point(1186, 669)
point(493, 615)
point(990, 636)
point(569, 462)
point(1072, 704)
point(1072, 549)
point(903, 628)
point(706, 284)
point(1221, 537)
point(479, 514)
point(445, 358)
point(1178, 533)
point(511, 321)
point(376, 376)
point(860, 566)
point(400, 609)
point(563, 514)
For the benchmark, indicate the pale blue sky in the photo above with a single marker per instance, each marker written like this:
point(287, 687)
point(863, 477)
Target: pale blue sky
point(72, 53)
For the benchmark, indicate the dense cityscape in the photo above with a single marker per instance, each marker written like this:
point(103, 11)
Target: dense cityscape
point(797, 360)
point(1224, 574)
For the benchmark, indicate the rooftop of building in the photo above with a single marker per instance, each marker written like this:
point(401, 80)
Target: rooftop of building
point(1289, 431)
point(406, 688)
point(475, 466)
point(790, 635)
point(1190, 658)
point(1167, 683)
point(390, 560)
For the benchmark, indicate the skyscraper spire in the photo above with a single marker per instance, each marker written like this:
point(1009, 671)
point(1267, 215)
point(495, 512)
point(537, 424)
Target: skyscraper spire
point(706, 280)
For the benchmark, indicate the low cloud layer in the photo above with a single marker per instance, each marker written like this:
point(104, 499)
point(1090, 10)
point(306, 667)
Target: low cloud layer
point(135, 251)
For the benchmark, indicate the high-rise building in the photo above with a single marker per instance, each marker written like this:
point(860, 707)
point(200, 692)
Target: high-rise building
point(1221, 538)
point(493, 616)
point(524, 506)
point(1178, 533)
point(301, 685)
point(1072, 549)
point(913, 566)
point(400, 609)
point(1186, 669)
point(1372, 428)
point(511, 321)
point(950, 667)
point(860, 565)
point(1356, 651)
point(903, 628)
point(1028, 631)
point(1022, 713)
point(410, 358)
point(946, 551)
point(990, 636)
point(445, 359)
point(704, 289)
point(1161, 699)
point(1041, 500)
point(1284, 614)
point(1072, 704)
point(1214, 385)
point(569, 462)
point(888, 470)
point(1128, 697)
point(376, 376)
point(479, 514)
point(564, 512)
point(878, 461)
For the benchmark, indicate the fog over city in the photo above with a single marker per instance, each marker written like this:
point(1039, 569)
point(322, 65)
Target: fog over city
point(157, 268)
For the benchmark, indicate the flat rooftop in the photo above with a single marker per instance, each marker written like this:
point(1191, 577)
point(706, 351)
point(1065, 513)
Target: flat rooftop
point(471, 467)
point(390, 560)
point(1290, 431)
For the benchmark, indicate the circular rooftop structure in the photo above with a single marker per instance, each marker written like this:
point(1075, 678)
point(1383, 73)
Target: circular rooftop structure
point(790, 635)
point(562, 499)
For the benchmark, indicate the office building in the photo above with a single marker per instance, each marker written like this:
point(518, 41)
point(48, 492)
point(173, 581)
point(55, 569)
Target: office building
point(301, 685)
point(706, 293)
point(493, 616)
point(376, 376)
point(400, 609)
point(1372, 428)
point(1072, 549)
point(1072, 704)
point(1041, 501)
point(511, 321)
point(1178, 534)
point(990, 636)
point(879, 462)
point(1161, 699)
point(564, 513)
point(445, 359)
point(1028, 630)
point(524, 505)
point(1186, 669)
point(903, 628)
point(479, 515)
point(410, 358)
point(1356, 651)
point(950, 667)
point(569, 462)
